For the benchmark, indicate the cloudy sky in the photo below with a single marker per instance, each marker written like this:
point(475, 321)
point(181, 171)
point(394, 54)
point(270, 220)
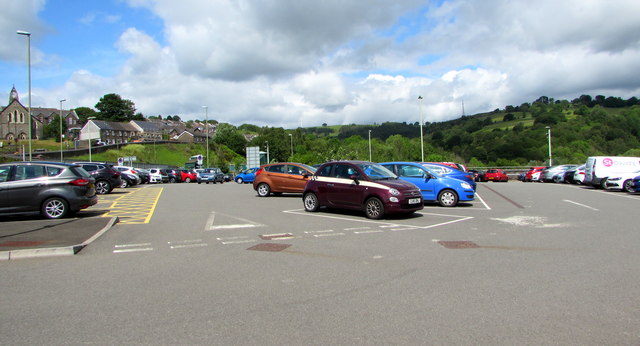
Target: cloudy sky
point(308, 62)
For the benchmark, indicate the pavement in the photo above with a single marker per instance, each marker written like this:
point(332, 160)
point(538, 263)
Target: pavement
point(29, 236)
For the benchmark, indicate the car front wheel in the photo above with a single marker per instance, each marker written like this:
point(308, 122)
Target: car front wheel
point(188, 180)
point(373, 208)
point(103, 187)
point(447, 198)
point(239, 181)
point(55, 208)
point(263, 190)
point(310, 201)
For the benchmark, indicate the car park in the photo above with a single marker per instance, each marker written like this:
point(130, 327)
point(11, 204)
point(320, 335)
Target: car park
point(495, 175)
point(210, 175)
point(622, 181)
point(54, 189)
point(451, 172)
point(360, 185)
point(247, 176)
point(433, 187)
point(278, 178)
point(106, 177)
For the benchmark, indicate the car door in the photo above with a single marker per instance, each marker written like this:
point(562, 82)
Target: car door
point(28, 183)
point(423, 179)
point(6, 200)
point(345, 191)
point(295, 179)
point(277, 176)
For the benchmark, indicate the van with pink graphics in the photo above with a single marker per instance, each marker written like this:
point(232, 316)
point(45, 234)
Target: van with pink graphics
point(599, 168)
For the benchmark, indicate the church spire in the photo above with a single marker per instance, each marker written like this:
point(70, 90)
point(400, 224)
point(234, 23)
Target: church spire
point(13, 95)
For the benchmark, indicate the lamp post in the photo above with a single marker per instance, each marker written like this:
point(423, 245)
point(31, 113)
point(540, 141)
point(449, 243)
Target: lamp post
point(61, 135)
point(267, 151)
point(421, 133)
point(206, 130)
point(28, 34)
point(370, 146)
point(549, 137)
point(291, 138)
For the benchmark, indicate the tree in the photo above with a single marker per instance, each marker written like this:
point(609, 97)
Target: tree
point(84, 113)
point(112, 107)
point(229, 135)
point(52, 130)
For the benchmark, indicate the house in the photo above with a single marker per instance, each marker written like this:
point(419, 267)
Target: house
point(149, 131)
point(109, 132)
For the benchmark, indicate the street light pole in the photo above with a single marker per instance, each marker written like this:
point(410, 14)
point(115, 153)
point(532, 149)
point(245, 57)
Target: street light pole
point(291, 138)
point(268, 151)
point(549, 137)
point(28, 34)
point(206, 129)
point(370, 146)
point(421, 133)
point(61, 135)
point(89, 119)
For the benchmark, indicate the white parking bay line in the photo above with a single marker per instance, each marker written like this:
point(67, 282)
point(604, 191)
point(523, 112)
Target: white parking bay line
point(124, 248)
point(580, 204)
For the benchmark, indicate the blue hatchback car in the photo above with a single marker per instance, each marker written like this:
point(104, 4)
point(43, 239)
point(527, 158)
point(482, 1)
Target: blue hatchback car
point(444, 170)
point(434, 187)
point(246, 176)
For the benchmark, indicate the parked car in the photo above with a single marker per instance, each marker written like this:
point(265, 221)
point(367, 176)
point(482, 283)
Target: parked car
point(555, 173)
point(636, 183)
point(158, 175)
point(433, 187)
point(495, 175)
point(144, 175)
point(579, 175)
point(477, 175)
point(282, 177)
point(622, 181)
point(173, 178)
point(360, 185)
point(246, 176)
point(451, 172)
point(186, 175)
point(54, 189)
point(453, 165)
point(533, 170)
point(107, 178)
point(210, 175)
point(129, 176)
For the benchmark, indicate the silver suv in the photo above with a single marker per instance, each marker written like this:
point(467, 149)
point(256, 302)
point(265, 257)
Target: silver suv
point(54, 189)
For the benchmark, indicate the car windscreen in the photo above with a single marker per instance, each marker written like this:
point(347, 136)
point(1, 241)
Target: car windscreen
point(376, 171)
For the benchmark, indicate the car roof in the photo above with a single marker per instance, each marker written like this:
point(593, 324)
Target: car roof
point(40, 163)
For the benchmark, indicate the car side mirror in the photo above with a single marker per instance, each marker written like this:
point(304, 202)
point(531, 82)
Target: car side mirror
point(305, 175)
point(428, 176)
point(354, 177)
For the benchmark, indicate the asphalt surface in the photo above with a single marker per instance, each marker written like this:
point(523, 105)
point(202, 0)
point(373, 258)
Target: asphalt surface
point(27, 237)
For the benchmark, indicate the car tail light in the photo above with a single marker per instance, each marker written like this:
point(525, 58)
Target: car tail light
point(259, 171)
point(134, 172)
point(79, 182)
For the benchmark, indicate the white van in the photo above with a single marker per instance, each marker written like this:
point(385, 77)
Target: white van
point(599, 168)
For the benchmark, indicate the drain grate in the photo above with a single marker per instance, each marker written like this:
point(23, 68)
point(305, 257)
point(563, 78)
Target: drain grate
point(269, 247)
point(458, 244)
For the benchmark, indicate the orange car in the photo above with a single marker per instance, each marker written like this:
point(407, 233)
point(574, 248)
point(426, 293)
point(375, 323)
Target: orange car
point(282, 177)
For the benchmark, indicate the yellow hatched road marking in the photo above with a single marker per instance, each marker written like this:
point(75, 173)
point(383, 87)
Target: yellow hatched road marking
point(136, 207)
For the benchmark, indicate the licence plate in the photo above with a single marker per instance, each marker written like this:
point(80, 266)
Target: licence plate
point(414, 200)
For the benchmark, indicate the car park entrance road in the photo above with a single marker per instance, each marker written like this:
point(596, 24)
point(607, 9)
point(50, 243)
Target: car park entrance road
point(215, 264)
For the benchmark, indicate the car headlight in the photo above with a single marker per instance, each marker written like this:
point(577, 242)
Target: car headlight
point(394, 192)
point(465, 186)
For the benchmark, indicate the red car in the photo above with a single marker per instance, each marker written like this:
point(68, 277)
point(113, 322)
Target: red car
point(529, 175)
point(186, 176)
point(495, 175)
